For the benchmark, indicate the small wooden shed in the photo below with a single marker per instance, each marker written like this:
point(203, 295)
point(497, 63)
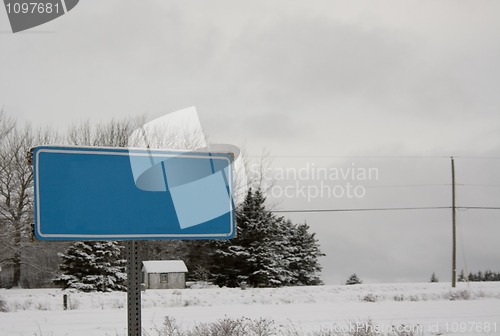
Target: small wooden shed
point(164, 274)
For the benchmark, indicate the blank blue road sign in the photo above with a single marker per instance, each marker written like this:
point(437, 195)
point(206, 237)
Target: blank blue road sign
point(91, 193)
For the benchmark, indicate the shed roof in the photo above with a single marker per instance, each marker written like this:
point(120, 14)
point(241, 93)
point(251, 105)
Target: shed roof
point(164, 266)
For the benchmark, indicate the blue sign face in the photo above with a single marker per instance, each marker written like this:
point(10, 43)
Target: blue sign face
point(118, 194)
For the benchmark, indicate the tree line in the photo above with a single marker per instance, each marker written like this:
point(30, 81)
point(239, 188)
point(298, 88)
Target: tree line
point(479, 276)
point(268, 250)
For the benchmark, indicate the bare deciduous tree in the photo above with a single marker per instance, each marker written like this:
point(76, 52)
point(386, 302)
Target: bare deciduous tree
point(16, 194)
point(112, 134)
point(6, 125)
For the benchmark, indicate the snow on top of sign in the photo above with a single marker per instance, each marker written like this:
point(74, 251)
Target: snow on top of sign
point(164, 266)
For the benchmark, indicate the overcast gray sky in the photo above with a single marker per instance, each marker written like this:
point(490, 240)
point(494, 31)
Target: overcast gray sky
point(337, 79)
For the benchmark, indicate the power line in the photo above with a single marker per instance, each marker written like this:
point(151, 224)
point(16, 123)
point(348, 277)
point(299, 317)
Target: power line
point(479, 208)
point(409, 185)
point(478, 157)
point(358, 209)
point(416, 185)
point(378, 186)
point(380, 209)
point(373, 157)
point(478, 185)
point(348, 157)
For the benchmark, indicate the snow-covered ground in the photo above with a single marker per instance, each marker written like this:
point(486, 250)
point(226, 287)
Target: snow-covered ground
point(433, 308)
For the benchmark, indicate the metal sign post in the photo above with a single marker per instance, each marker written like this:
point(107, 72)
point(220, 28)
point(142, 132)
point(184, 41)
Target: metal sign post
point(133, 289)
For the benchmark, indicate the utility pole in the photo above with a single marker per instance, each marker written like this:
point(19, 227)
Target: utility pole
point(454, 234)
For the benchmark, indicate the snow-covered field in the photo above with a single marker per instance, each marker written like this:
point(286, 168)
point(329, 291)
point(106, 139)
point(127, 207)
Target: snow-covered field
point(430, 308)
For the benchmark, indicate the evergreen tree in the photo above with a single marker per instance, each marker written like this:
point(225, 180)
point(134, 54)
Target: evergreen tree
point(353, 280)
point(486, 276)
point(461, 277)
point(434, 278)
point(267, 250)
point(92, 266)
point(245, 257)
point(198, 259)
point(304, 256)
